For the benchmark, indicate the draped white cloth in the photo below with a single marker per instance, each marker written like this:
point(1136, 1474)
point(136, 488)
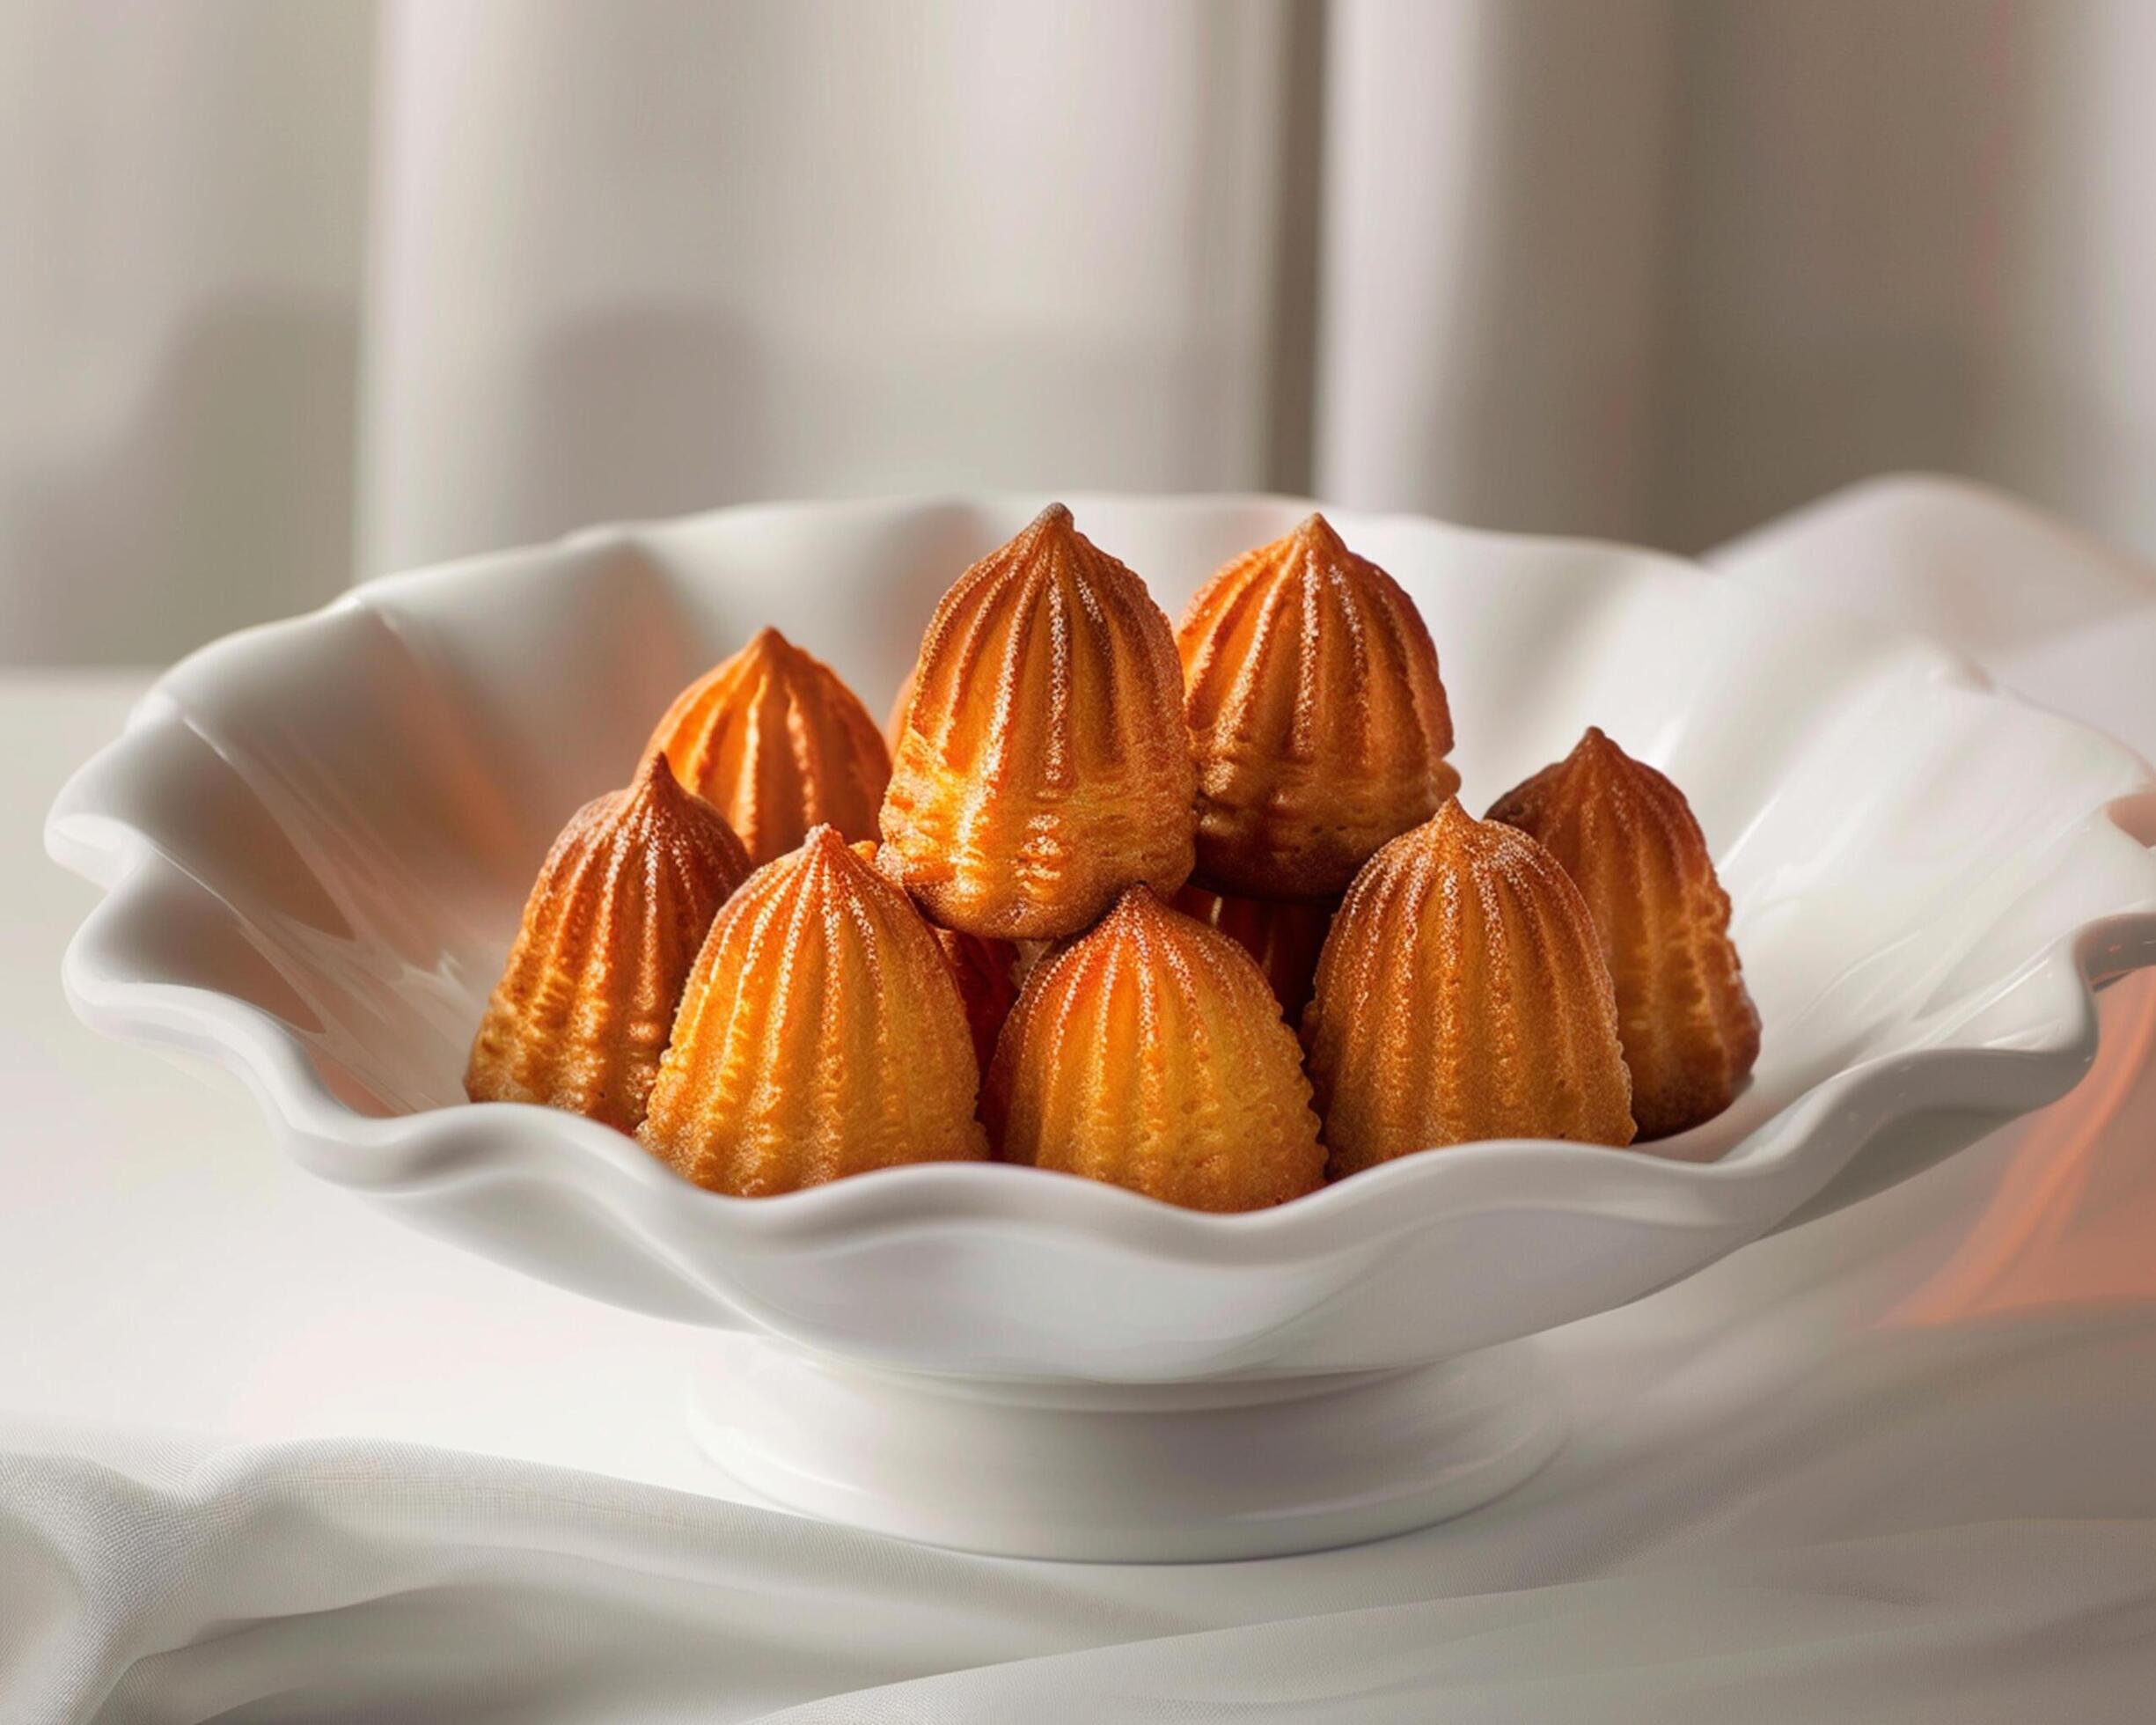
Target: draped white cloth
point(286, 290)
point(1891, 1465)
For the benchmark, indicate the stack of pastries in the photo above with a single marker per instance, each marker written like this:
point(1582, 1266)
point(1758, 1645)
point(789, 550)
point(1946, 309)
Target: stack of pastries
point(1192, 911)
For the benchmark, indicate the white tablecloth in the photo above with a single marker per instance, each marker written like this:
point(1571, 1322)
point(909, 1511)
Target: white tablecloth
point(1892, 1465)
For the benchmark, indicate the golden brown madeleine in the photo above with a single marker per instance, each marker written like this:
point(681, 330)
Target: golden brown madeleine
point(1044, 765)
point(1627, 837)
point(1461, 995)
point(1317, 713)
point(821, 1034)
point(780, 744)
point(1284, 936)
point(1149, 1052)
point(581, 1015)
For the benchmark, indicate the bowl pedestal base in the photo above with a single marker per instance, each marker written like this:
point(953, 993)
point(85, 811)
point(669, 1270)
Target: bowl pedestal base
point(1171, 1473)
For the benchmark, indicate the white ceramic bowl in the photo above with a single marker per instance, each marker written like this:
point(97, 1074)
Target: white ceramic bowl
point(316, 837)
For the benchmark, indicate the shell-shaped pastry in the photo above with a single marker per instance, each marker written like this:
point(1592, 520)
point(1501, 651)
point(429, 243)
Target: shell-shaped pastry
point(581, 1015)
point(1628, 839)
point(821, 1034)
point(1316, 713)
point(1462, 995)
point(1149, 1052)
point(1284, 936)
point(1045, 765)
point(777, 742)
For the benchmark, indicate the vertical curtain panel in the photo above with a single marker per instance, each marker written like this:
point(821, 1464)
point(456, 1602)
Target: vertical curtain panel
point(289, 293)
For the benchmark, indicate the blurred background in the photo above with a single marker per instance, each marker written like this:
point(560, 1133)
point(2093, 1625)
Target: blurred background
point(293, 290)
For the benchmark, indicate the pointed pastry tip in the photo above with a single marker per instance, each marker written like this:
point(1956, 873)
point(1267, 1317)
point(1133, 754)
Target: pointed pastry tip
point(655, 776)
point(771, 652)
point(826, 840)
point(1135, 901)
point(657, 791)
point(1315, 531)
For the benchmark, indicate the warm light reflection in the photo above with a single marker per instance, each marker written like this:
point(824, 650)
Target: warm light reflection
point(2074, 1218)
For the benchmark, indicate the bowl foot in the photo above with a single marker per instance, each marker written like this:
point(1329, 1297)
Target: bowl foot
point(1154, 1473)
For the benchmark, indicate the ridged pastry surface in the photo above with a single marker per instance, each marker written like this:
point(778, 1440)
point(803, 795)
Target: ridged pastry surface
point(821, 1034)
point(1284, 936)
point(1462, 995)
point(581, 1015)
point(777, 742)
point(1044, 766)
point(1150, 1053)
point(1627, 837)
point(1317, 713)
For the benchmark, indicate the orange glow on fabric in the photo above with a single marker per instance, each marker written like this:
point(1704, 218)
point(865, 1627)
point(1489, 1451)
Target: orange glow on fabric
point(2075, 1219)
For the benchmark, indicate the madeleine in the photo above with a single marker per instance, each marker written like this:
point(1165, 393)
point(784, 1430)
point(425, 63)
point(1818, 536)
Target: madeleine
point(1044, 766)
point(1316, 710)
point(1149, 1052)
point(582, 1013)
point(821, 1034)
point(1626, 836)
point(1461, 995)
point(778, 744)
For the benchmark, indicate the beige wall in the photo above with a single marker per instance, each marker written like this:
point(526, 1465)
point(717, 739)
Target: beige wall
point(287, 290)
